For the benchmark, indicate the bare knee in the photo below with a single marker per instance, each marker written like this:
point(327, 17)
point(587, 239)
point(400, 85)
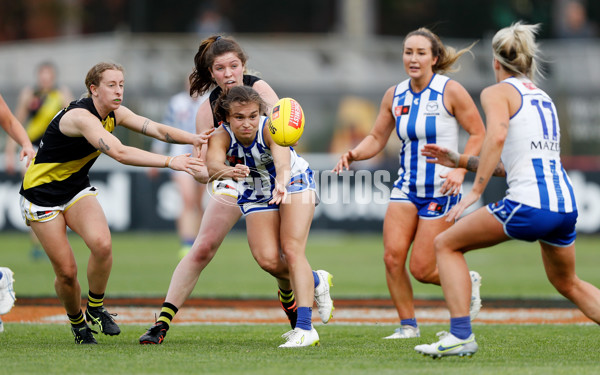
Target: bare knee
point(424, 272)
point(564, 285)
point(273, 266)
point(393, 260)
point(101, 247)
point(202, 254)
point(66, 274)
point(293, 251)
point(441, 245)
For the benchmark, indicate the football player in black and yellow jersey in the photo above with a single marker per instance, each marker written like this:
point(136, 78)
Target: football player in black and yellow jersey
point(56, 191)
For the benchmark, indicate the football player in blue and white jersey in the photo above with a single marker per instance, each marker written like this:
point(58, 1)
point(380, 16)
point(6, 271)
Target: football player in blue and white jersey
point(277, 195)
point(428, 107)
point(220, 64)
point(522, 143)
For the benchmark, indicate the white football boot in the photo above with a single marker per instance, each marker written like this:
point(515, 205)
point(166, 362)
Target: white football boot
point(449, 345)
point(299, 337)
point(322, 296)
point(475, 297)
point(405, 332)
point(7, 293)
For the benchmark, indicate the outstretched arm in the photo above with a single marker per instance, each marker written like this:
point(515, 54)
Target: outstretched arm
point(79, 122)
point(16, 131)
point(443, 156)
point(165, 133)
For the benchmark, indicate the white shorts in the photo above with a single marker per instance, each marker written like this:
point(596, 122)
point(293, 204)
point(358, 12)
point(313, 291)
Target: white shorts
point(224, 187)
point(32, 212)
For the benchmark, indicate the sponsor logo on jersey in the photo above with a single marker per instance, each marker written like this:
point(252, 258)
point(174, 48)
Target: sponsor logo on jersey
point(431, 106)
point(401, 110)
point(432, 109)
point(234, 160)
point(529, 85)
point(545, 145)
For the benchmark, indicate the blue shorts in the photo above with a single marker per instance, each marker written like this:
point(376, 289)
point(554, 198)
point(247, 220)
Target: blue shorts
point(298, 183)
point(526, 223)
point(428, 208)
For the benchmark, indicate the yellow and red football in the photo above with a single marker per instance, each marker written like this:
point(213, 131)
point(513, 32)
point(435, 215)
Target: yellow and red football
point(286, 122)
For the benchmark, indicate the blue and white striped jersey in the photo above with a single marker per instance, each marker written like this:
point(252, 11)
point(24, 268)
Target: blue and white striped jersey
point(258, 186)
point(531, 153)
point(422, 118)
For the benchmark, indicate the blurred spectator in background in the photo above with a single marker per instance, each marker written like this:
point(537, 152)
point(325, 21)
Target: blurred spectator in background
point(572, 20)
point(353, 123)
point(209, 20)
point(36, 107)
point(505, 12)
point(181, 113)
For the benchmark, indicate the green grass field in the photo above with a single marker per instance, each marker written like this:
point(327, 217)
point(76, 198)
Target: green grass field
point(144, 262)
point(226, 349)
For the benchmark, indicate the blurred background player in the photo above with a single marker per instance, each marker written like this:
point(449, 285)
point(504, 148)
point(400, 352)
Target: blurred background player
point(58, 195)
point(425, 108)
point(36, 107)
point(15, 130)
point(355, 117)
point(181, 113)
point(279, 207)
point(524, 134)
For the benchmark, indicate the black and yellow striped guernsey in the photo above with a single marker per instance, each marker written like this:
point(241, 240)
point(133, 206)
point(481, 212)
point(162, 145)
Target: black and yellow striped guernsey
point(60, 168)
point(43, 108)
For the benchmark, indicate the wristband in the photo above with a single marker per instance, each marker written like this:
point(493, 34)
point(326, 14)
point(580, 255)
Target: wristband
point(168, 162)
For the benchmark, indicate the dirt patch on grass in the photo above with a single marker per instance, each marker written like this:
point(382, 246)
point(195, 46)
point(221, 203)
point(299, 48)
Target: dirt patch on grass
point(263, 311)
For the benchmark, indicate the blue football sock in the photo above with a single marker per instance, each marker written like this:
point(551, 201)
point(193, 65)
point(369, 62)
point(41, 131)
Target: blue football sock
point(316, 277)
point(461, 327)
point(304, 318)
point(409, 322)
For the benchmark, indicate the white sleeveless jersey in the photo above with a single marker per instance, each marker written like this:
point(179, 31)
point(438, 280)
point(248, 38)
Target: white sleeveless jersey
point(422, 118)
point(531, 153)
point(181, 111)
point(258, 186)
